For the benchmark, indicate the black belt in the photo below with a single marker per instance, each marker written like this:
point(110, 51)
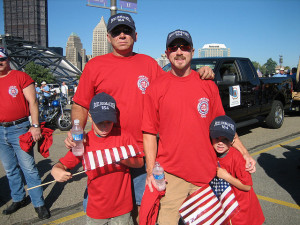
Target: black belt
point(9, 124)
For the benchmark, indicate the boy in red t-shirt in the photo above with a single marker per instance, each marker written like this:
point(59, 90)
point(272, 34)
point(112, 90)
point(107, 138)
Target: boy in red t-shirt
point(232, 169)
point(109, 187)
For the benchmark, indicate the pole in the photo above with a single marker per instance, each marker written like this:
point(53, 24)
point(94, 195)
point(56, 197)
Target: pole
point(113, 7)
point(298, 71)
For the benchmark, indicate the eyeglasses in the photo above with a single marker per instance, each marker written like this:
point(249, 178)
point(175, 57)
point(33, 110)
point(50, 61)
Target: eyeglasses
point(186, 48)
point(3, 59)
point(125, 30)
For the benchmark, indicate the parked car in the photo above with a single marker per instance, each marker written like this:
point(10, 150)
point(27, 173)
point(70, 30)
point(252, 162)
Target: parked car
point(247, 98)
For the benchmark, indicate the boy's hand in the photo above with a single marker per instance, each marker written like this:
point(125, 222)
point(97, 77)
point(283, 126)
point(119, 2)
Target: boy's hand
point(60, 174)
point(69, 143)
point(222, 173)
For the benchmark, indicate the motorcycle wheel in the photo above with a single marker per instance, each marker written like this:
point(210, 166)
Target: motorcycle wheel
point(64, 122)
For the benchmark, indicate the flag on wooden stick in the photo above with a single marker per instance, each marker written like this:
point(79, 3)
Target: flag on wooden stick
point(100, 158)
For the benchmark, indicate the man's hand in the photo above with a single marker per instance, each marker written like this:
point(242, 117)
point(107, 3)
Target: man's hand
point(36, 133)
point(206, 73)
point(150, 181)
point(250, 163)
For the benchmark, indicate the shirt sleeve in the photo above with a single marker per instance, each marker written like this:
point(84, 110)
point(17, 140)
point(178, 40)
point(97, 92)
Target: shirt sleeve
point(70, 160)
point(241, 173)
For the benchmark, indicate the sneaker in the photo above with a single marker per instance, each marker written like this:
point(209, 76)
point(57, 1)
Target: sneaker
point(42, 212)
point(15, 206)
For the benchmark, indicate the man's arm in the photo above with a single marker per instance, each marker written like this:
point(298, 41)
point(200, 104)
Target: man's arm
point(150, 150)
point(80, 113)
point(30, 95)
point(206, 73)
point(250, 162)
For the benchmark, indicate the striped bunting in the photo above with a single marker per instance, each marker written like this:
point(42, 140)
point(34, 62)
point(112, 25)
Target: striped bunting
point(100, 158)
point(203, 207)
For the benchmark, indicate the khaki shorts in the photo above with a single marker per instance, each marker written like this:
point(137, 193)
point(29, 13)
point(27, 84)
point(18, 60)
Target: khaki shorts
point(177, 190)
point(125, 219)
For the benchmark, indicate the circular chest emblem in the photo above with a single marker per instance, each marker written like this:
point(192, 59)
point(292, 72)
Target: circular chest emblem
point(13, 91)
point(143, 83)
point(203, 106)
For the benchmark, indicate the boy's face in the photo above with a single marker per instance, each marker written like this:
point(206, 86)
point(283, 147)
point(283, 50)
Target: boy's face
point(103, 129)
point(221, 144)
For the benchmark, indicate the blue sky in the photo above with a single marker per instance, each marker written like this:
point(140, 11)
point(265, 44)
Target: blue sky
point(257, 29)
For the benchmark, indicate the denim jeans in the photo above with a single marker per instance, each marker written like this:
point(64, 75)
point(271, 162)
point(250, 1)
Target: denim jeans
point(15, 161)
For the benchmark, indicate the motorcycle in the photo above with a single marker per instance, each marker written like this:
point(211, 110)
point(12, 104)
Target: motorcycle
point(53, 111)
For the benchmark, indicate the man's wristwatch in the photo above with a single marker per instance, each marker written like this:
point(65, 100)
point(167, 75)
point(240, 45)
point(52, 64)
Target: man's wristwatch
point(35, 125)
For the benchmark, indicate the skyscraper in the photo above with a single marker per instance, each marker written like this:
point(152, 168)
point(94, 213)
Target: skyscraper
point(74, 51)
point(100, 44)
point(214, 50)
point(27, 19)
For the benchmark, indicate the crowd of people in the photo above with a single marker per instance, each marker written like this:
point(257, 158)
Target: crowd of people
point(131, 108)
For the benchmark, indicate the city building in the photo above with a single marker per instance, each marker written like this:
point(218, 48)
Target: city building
point(100, 45)
point(27, 19)
point(163, 60)
point(75, 52)
point(214, 50)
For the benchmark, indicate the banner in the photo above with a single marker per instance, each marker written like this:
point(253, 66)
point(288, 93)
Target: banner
point(97, 2)
point(129, 4)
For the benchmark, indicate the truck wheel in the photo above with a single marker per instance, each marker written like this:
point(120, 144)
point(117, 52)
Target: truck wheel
point(64, 122)
point(276, 116)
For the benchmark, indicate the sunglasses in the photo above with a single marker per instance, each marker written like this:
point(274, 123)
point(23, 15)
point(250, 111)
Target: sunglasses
point(118, 31)
point(186, 48)
point(3, 59)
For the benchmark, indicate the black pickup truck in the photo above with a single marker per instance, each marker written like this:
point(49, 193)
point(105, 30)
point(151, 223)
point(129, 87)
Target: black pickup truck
point(246, 97)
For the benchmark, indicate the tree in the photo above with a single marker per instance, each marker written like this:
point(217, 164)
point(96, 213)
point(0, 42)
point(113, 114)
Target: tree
point(270, 66)
point(258, 66)
point(39, 73)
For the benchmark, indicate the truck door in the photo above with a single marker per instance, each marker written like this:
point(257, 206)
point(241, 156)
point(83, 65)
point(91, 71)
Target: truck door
point(233, 96)
point(250, 77)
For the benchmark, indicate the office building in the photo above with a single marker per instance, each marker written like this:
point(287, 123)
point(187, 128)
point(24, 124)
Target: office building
point(27, 19)
point(100, 45)
point(75, 52)
point(214, 50)
point(163, 60)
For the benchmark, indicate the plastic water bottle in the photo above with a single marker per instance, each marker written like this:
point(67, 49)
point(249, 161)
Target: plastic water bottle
point(159, 176)
point(77, 135)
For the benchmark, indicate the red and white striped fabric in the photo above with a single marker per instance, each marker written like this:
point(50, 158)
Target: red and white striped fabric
point(100, 158)
point(203, 207)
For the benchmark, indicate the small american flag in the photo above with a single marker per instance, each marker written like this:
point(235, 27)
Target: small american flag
point(204, 207)
point(100, 158)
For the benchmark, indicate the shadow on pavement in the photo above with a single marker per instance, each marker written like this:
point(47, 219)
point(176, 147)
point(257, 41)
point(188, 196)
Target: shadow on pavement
point(285, 171)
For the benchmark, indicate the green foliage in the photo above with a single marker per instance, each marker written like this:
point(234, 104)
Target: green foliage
point(262, 68)
point(39, 73)
point(270, 66)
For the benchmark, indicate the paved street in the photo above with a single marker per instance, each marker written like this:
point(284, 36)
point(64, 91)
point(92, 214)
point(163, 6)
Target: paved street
point(276, 182)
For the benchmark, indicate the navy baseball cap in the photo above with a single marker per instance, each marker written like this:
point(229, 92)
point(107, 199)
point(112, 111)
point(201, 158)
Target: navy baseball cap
point(120, 19)
point(3, 53)
point(222, 126)
point(179, 34)
point(103, 108)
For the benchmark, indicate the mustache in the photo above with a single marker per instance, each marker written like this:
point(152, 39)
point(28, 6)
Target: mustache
point(179, 57)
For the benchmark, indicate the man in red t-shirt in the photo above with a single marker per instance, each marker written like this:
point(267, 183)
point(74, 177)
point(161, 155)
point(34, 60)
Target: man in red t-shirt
point(18, 101)
point(180, 107)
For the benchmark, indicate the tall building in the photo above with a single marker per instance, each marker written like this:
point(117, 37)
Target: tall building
point(163, 60)
point(214, 50)
point(74, 51)
point(27, 19)
point(100, 44)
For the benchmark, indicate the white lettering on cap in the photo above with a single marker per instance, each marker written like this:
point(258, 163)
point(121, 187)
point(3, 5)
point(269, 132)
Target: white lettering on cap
point(97, 104)
point(225, 125)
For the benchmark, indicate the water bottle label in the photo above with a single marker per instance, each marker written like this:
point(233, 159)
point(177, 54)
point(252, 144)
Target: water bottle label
point(77, 137)
point(158, 177)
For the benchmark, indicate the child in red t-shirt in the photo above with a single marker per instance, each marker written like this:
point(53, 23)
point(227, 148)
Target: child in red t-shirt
point(109, 186)
point(232, 169)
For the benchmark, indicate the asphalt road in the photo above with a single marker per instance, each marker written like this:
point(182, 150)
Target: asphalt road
point(276, 182)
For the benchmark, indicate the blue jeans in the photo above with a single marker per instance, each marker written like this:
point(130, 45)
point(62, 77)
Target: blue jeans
point(14, 159)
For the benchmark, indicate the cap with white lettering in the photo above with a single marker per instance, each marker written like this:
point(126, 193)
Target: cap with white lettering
point(222, 126)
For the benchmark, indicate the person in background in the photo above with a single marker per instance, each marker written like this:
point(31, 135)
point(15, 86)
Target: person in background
point(64, 90)
point(18, 101)
point(45, 89)
point(232, 169)
point(37, 90)
point(281, 73)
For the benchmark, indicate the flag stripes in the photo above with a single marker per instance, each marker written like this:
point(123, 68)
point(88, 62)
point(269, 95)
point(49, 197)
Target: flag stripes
point(100, 158)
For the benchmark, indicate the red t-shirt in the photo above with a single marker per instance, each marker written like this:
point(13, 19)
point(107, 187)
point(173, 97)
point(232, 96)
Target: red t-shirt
point(109, 187)
point(124, 78)
point(250, 211)
point(181, 109)
point(13, 104)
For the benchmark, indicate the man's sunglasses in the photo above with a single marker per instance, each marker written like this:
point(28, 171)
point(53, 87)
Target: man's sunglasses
point(3, 59)
point(118, 31)
point(186, 48)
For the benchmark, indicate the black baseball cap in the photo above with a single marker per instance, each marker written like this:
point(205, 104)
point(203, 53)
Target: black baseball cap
point(103, 108)
point(179, 34)
point(222, 126)
point(120, 19)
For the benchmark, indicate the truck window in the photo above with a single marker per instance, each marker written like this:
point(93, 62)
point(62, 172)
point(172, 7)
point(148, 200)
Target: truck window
point(228, 68)
point(247, 68)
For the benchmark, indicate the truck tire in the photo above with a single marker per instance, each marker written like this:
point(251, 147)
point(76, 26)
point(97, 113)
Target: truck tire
point(276, 116)
point(64, 122)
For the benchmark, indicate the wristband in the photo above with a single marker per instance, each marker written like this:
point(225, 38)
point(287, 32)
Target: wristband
point(35, 125)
